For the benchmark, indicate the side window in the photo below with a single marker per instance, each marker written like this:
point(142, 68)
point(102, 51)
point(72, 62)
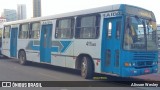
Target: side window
point(87, 27)
point(118, 29)
point(117, 58)
point(35, 30)
point(24, 31)
point(108, 57)
point(64, 28)
point(6, 32)
point(109, 30)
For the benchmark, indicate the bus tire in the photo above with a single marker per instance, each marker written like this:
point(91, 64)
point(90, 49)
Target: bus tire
point(22, 57)
point(86, 68)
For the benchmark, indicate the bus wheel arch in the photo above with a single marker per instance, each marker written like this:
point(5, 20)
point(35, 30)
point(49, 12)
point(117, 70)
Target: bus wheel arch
point(84, 62)
point(22, 57)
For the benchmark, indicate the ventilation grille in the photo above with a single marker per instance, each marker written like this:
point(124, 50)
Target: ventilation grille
point(144, 56)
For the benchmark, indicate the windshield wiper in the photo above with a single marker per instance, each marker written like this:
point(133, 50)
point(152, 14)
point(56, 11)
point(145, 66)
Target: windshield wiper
point(145, 36)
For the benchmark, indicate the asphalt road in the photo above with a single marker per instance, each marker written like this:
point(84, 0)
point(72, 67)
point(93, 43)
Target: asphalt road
point(11, 70)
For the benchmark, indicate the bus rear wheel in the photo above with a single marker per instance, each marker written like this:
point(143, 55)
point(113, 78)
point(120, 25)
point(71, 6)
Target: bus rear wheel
point(22, 57)
point(86, 68)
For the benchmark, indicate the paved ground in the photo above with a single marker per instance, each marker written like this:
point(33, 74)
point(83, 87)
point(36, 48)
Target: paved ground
point(152, 77)
point(10, 70)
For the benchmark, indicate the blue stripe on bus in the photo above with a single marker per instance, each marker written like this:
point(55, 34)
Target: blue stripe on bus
point(32, 47)
point(35, 48)
point(54, 49)
point(65, 46)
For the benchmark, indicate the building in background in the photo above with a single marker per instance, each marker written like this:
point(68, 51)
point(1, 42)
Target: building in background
point(21, 11)
point(9, 14)
point(36, 8)
point(2, 20)
point(158, 36)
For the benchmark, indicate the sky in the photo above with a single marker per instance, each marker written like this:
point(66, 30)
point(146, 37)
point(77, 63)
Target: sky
point(52, 7)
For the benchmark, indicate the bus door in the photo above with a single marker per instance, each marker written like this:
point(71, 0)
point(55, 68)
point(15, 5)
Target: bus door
point(13, 42)
point(111, 45)
point(45, 43)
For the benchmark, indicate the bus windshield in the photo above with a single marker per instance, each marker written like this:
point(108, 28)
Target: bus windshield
point(140, 34)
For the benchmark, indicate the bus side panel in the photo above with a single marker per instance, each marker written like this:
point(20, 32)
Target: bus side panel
point(6, 46)
point(22, 44)
point(70, 59)
point(33, 56)
point(98, 68)
point(62, 51)
point(33, 53)
point(92, 49)
point(5, 49)
point(70, 62)
point(63, 57)
point(56, 58)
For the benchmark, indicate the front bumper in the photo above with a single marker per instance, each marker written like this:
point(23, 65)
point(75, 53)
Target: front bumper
point(131, 71)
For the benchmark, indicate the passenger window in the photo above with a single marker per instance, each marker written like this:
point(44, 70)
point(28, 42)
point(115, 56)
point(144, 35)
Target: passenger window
point(109, 30)
point(117, 58)
point(64, 28)
point(6, 32)
point(35, 30)
point(24, 31)
point(87, 27)
point(118, 29)
point(108, 57)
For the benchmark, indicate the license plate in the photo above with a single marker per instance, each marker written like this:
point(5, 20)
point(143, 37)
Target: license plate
point(146, 70)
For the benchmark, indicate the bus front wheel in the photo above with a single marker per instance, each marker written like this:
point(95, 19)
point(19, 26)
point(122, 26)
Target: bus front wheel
point(22, 57)
point(86, 68)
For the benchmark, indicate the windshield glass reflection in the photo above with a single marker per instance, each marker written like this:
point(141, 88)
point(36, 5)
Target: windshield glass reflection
point(140, 34)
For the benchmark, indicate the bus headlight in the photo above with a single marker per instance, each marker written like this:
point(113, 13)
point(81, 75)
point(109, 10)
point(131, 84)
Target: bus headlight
point(154, 63)
point(127, 64)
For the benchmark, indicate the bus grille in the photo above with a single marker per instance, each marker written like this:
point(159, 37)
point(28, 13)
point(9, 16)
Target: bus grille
point(144, 56)
point(144, 63)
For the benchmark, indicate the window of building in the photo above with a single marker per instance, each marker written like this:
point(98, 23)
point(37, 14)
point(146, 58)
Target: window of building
point(64, 28)
point(35, 30)
point(24, 31)
point(6, 33)
point(87, 27)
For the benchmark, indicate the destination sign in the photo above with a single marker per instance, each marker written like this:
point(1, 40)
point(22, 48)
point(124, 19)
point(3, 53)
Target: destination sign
point(139, 12)
point(112, 14)
point(14, 26)
point(46, 22)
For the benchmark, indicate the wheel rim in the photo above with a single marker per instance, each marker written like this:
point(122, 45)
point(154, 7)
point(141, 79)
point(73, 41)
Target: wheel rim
point(22, 58)
point(84, 67)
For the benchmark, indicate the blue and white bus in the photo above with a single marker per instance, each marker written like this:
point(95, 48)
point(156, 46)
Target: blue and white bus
point(118, 40)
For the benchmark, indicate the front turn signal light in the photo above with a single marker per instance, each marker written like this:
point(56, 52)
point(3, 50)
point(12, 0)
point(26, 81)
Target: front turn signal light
point(127, 64)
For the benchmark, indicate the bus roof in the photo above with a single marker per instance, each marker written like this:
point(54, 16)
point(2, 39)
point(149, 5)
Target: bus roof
point(76, 13)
